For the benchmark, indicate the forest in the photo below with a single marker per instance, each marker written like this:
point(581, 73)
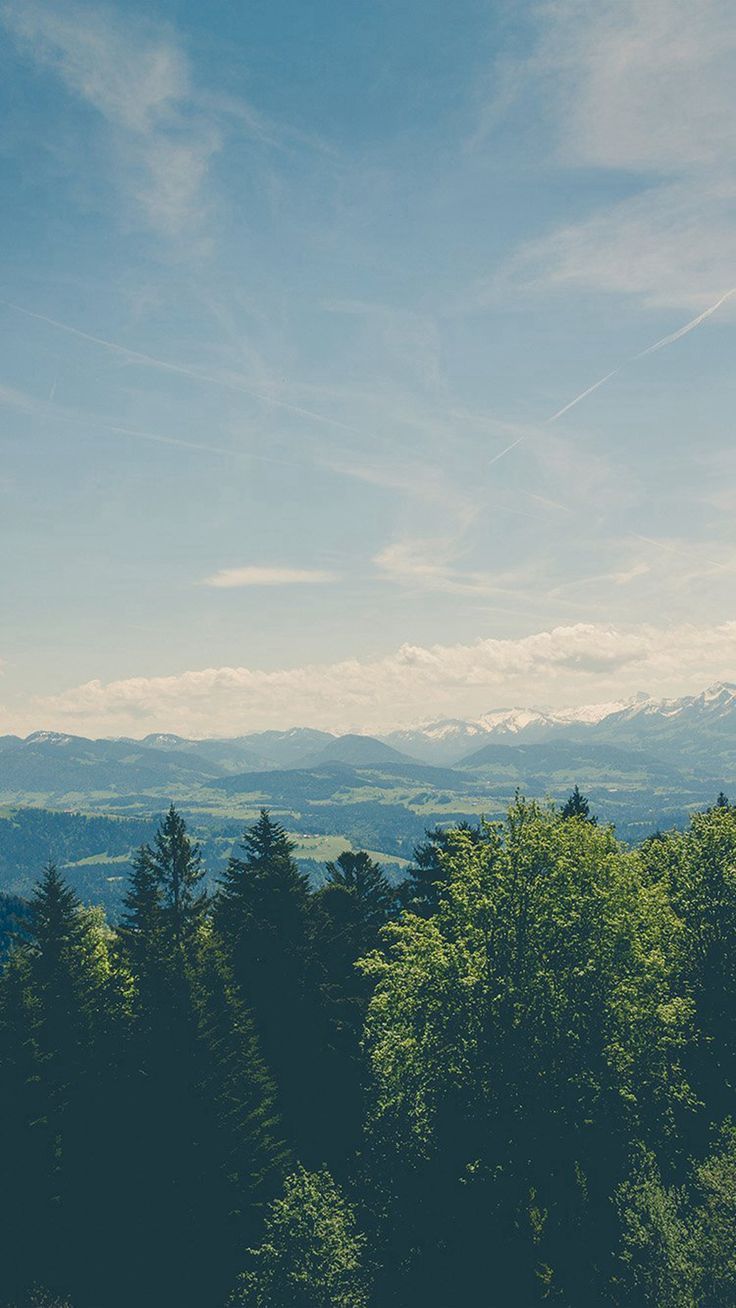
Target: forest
point(508, 1081)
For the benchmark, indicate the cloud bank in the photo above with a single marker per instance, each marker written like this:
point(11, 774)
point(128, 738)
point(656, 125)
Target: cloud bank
point(567, 664)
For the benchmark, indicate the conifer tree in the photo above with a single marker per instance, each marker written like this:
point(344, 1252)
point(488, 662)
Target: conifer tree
point(176, 861)
point(422, 890)
point(141, 928)
point(24, 1147)
point(261, 918)
point(60, 976)
point(375, 898)
point(577, 806)
point(346, 916)
point(240, 1157)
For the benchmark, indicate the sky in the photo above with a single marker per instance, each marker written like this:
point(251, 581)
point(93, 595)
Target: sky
point(303, 312)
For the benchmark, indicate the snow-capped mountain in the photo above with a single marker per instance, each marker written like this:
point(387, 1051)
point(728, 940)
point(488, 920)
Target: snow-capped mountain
point(449, 739)
point(693, 720)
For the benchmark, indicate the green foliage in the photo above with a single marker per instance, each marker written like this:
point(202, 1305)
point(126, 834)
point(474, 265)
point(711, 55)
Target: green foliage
point(657, 1238)
point(176, 863)
point(678, 1245)
point(312, 1255)
point(422, 890)
point(513, 1078)
point(523, 1033)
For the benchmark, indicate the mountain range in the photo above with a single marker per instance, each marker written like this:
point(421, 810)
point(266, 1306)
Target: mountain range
point(696, 733)
point(644, 764)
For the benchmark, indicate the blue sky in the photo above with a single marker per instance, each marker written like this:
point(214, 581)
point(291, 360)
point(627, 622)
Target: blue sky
point(290, 297)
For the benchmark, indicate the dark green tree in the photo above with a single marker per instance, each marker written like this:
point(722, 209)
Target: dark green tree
point(60, 980)
point(345, 918)
point(577, 806)
point(261, 916)
point(176, 861)
point(141, 931)
point(205, 1151)
point(375, 897)
point(427, 874)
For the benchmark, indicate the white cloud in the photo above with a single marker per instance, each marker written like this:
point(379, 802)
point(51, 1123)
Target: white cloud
point(138, 79)
point(571, 664)
point(646, 90)
point(229, 578)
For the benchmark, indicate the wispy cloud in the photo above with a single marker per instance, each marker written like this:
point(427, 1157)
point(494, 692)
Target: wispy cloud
point(230, 578)
point(227, 382)
point(164, 131)
point(137, 78)
point(567, 664)
point(642, 90)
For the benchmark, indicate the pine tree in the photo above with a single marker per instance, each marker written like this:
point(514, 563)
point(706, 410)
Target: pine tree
point(265, 882)
point(422, 890)
point(163, 919)
point(260, 915)
point(240, 1158)
point(365, 879)
point(24, 1145)
point(577, 806)
point(176, 862)
point(141, 929)
point(60, 978)
point(346, 916)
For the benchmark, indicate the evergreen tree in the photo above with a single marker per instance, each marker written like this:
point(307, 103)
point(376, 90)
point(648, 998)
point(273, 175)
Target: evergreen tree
point(577, 806)
point(365, 879)
point(240, 1157)
point(176, 862)
point(24, 1144)
point(427, 875)
point(203, 1151)
point(59, 979)
point(261, 917)
point(141, 930)
point(346, 917)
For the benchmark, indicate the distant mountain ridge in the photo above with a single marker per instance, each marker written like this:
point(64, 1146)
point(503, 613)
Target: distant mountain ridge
point(696, 733)
point(640, 721)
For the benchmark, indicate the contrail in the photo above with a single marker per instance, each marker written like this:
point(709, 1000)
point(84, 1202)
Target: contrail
point(689, 326)
point(508, 450)
point(583, 394)
point(43, 408)
point(150, 360)
point(658, 345)
point(194, 445)
point(686, 554)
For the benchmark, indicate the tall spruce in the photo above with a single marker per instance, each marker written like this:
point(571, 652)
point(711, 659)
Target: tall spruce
point(577, 805)
point(375, 897)
point(426, 877)
point(176, 861)
point(60, 978)
point(261, 918)
point(346, 917)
